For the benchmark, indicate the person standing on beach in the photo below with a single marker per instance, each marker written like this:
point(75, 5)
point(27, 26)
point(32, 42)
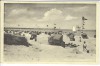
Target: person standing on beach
point(84, 46)
point(79, 39)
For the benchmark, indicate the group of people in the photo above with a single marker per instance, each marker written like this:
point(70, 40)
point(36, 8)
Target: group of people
point(33, 36)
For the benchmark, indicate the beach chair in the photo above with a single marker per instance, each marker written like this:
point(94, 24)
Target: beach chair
point(56, 39)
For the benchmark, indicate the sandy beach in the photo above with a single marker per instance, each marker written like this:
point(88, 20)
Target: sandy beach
point(41, 51)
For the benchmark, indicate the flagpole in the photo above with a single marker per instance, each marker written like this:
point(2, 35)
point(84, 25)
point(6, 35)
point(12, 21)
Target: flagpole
point(83, 21)
point(82, 25)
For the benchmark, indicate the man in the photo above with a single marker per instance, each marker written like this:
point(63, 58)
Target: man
point(84, 46)
point(79, 39)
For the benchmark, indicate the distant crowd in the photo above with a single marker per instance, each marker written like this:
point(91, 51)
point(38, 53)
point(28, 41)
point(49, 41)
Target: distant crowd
point(54, 38)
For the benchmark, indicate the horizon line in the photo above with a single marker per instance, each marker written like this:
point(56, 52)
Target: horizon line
point(40, 28)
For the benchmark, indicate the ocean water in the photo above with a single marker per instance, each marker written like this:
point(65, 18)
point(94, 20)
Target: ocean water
point(90, 33)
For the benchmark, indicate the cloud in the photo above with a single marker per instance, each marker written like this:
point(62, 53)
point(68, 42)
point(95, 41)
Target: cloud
point(52, 15)
point(69, 17)
point(49, 17)
point(84, 8)
point(18, 11)
point(78, 9)
point(24, 12)
point(64, 16)
point(56, 15)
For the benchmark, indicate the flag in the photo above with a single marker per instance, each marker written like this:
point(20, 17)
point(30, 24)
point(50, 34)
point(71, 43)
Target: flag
point(78, 27)
point(83, 28)
point(83, 24)
point(83, 18)
point(47, 25)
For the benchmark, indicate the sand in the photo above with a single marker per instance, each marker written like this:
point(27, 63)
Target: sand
point(41, 51)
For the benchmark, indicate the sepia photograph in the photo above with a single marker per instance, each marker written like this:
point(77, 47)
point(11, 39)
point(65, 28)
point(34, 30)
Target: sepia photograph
point(49, 32)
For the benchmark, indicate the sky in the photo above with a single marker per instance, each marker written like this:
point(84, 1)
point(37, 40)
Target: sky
point(39, 15)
